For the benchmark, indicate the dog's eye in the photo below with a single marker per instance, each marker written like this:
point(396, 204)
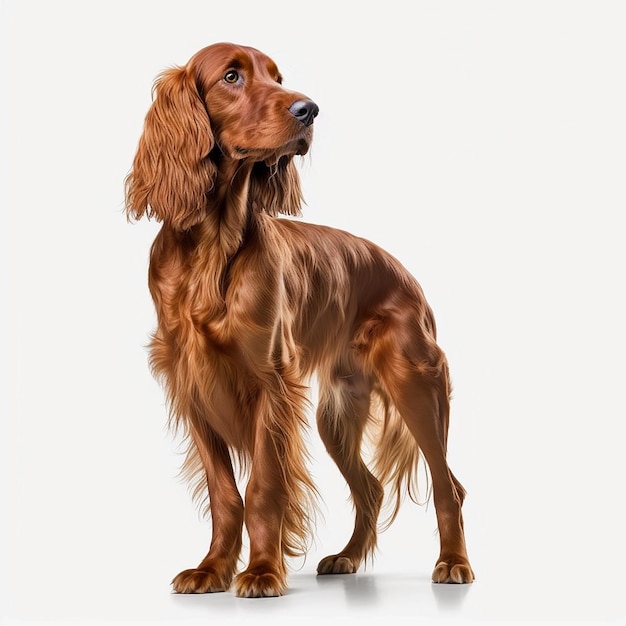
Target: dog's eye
point(231, 76)
point(279, 79)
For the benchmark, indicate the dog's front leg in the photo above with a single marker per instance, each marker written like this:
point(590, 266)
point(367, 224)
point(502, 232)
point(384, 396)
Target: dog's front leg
point(265, 504)
point(216, 571)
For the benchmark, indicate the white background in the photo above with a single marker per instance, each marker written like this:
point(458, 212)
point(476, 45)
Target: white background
point(482, 143)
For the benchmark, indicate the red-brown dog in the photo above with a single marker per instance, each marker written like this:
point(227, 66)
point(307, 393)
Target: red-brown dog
point(250, 306)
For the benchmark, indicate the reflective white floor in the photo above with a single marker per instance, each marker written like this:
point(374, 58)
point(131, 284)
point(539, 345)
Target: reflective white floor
point(375, 596)
point(364, 598)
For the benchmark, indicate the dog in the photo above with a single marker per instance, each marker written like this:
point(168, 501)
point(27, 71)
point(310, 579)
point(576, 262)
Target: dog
point(250, 306)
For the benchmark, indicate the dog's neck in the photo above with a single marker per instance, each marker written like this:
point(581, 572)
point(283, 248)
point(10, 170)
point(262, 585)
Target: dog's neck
point(211, 245)
point(228, 209)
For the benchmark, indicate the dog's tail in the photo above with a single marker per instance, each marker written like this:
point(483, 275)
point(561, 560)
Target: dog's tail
point(396, 460)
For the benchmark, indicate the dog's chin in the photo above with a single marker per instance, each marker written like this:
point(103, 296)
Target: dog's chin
point(277, 155)
point(271, 156)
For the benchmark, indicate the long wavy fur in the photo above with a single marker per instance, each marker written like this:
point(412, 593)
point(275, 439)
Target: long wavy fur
point(249, 307)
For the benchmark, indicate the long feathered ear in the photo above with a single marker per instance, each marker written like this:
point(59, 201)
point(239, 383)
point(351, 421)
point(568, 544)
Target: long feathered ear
point(171, 173)
point(276, 189)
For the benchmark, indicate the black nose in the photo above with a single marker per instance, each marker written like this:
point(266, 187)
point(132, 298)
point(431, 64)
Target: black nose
point(304, 110)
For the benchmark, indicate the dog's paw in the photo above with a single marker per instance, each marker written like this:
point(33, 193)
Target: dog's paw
point(259, 583)
point(200, 581)
point(456, 571)
point(337, 564)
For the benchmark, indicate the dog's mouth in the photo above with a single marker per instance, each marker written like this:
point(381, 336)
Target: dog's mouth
point(298, 146)
point(301, 149)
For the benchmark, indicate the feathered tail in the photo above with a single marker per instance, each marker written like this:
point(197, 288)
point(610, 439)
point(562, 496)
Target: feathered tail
point(396, 460)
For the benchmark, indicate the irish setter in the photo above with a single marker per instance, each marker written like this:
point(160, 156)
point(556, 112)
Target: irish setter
point(250, 306)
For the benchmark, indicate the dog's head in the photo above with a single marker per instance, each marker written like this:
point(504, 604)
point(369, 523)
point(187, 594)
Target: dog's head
point(227, 105)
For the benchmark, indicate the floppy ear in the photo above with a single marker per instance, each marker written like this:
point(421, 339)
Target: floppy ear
point(276, 189)
point(171, 172)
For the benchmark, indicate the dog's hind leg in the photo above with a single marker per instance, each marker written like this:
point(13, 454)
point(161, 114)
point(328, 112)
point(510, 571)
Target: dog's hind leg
point(415, 375)
point(341, 417)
